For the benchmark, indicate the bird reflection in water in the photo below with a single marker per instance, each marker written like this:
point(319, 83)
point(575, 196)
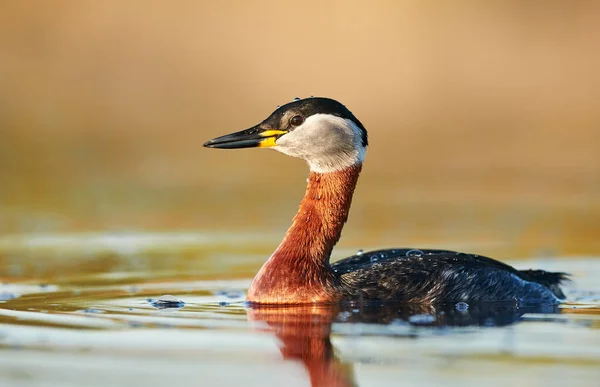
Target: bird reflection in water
point(305, 330)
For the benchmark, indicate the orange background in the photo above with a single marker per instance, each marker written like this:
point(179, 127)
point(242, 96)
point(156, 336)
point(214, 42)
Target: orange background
point(483, 117)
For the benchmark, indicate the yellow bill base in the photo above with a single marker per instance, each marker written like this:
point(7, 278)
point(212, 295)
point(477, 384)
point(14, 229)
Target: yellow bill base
point(271, 138)
point(267, 142)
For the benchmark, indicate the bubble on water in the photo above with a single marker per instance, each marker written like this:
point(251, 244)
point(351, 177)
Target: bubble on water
point(421, 319)
point(360, 252)
point(167, 302)
point(414, 253)
point(374, 258)
point(296, 99)
point(461, 306)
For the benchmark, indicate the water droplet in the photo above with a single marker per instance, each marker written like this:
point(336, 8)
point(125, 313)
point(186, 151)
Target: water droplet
point(394, 251)
point(296, 99)
point(382, 255)
point(374, 258)
point(421, 319)
point(167, 302)
point(360, 252)
point(461, 306)
point(168, 298)
point(278, 106)
point(414, 253)
point(223, 303)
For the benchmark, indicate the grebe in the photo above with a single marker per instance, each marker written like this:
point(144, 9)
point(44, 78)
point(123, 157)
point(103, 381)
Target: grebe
point(333, 142)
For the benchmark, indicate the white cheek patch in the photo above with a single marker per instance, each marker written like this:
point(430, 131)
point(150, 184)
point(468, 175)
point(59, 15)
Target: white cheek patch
point(327, 143)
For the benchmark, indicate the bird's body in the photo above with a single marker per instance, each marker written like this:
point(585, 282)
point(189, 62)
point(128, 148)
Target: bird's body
point(333, 142)
point(431, 276)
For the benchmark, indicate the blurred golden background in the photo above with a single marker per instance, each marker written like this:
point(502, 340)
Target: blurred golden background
point(483, 117)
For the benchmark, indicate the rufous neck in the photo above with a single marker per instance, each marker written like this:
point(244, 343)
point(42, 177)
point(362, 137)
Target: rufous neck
point(317, 226)
point(299, 271)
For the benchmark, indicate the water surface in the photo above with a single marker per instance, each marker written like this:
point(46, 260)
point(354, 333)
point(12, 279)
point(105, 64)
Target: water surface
point(166, 309)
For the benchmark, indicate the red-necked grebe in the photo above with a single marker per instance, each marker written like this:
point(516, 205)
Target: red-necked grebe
point(333, 142)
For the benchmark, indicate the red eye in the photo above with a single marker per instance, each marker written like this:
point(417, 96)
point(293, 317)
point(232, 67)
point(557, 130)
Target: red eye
point(297, 120)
